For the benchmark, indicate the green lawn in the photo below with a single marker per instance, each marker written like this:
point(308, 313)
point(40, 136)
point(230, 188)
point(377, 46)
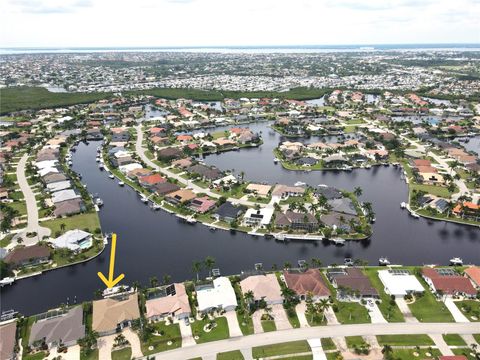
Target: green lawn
point(246, 324)
point(432, 189)
point(6, 240)
point(407, 354)
point(390, 311)
point(405, 340)
point(268, 325)
point(93, 355)
point(328, 344)
point(160, 343)
point(334, 355)
point(88, 221)
point(465, 352)
point(353, 341)
point(477, 337)
point(352, 313)
point(230, 355)
point(123, 354)
point(293, 347)
point(292, 317)
point(427, 309)
point(220, 332)
point(20, 206)
point(470, 308)
point(454, 340)
point(37, 356)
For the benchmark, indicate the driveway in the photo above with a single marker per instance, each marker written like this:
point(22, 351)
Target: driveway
point(317, 350)
point(233, 325)
point(300, 309)
point(331, 317)
point(105, 346)
point(257, 321)
point(441, 344)
point(407, 314)
point(281, 318)
point(187, 336)
point(134, 341)
point(376, 315)
point(455, 311)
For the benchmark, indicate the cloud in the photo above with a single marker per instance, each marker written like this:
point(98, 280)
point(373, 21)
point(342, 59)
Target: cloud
point(377, 5)
point(50, 6)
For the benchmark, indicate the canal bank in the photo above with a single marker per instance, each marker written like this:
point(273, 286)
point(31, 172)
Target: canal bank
point(154, 243)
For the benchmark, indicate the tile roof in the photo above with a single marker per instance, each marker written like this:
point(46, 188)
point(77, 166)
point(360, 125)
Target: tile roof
point(310, 281)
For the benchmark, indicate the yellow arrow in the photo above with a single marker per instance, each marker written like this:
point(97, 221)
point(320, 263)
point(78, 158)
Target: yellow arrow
point(110, 282)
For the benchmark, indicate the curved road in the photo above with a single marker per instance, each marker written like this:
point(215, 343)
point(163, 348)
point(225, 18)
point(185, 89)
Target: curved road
point(141, 153)
point(275, 337)
point(32, 209)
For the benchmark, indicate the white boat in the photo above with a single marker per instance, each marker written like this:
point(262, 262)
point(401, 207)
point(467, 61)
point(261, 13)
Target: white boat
point(97, 159)
point(348, 262)
point(383, 261)
point(213, 228)
point(403, 204)
point(121, 183)
point(114, 290)
point(111, 176)
point(100, 166)
point(414, 215)
point(7, 281)
point(299, 183)
point(275, 160)
point(143, 198)
point(98, 202)
point(191, 220)
point(155, 207)
point(456, 261)
point(70, 163)
point(338, 241)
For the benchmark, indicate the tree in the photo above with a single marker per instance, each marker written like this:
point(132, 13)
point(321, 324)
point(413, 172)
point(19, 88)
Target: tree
point(316, 262)
point(209, 264)
point(153, 281)
point(196, 267)
point(166, 279)
point(120, 339)
point(387, 351)
point(63, 226)
point(358, 191)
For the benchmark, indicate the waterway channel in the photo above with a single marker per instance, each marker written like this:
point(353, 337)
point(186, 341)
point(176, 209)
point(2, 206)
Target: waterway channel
point(154, 243)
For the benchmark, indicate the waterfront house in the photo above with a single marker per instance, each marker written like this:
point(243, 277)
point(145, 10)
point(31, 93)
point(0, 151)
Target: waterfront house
point(181, 196)
point(74, 240)
point(260, 217)
point(351, 283)
point(53, 178)
point(343, 205)
point(467, 209)
point(473, 273)
point(163, 189)
point(171, 300)
point(169, 154)
point(447, 281)
point(285, 191)
point(400, 282)
point(202, 204)
point(64, 195)
point(60, 185)
point(228, 212)
point(26, 256)
point(306, 161)
point(307, 282)
point(94, 134)
point(150, 181)
point(205, 172)
point(113, 314)
point(296, 221)
point(263, 287)
point(69, 207)
point(61, 328)
point(328, 192)
point(8, 333)
point(259, 189)
point(182, 163)
point(217, 295)
point(138, 173)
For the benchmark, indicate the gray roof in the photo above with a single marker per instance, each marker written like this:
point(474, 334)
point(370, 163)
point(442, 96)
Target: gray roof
point(64, 195)
point(329, 192)
point(67, 328)
point(343, 205)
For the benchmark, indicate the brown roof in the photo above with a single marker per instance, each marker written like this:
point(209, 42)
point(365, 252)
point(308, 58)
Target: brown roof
point(356, 280)
point(72, 206)
point(473, 273)
point(449, 284)
point(170, 304)
point(108, 313)
point(182, 195)
point(20, 255)
point(7, 340)
point(310, 281)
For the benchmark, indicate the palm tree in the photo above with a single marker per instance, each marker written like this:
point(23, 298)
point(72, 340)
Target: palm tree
point(387, 351)
point(287, 265)
point(63, 226)
point(196, 267)
point(249, 298)
point(209, 263)
point(358, 191)
point(316, 262)
point(153, 281)
point(136, 285)
point(166, 279)
point(323, 306)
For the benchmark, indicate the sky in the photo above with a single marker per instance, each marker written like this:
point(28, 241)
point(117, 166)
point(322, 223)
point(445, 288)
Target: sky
point(149, 23)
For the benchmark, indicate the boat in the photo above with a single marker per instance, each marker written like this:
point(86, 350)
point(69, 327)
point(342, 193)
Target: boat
point(111, 176)
point(155, 207)
point(414, 215)
point(97, 159)
point(403, 204)
point(348, 262)
point(7, 281)
point(299, 183)
point(338, 241)
point(100, 166)
point(456, 261)
point(275, 161)
point(121, 183)
point(70, 163)
point(213, 228)
point(383, 261)
point(191, 220)
point(143, 198)
point(114, 290)
point(98, 201)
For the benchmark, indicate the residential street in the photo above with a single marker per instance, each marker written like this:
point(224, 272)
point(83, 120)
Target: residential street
point(275, 337)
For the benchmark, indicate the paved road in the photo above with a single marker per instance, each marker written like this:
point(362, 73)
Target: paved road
point(141, 153)
point(32, 209)
point(275, 337)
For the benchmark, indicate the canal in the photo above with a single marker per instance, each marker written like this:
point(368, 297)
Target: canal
point(154, 243)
